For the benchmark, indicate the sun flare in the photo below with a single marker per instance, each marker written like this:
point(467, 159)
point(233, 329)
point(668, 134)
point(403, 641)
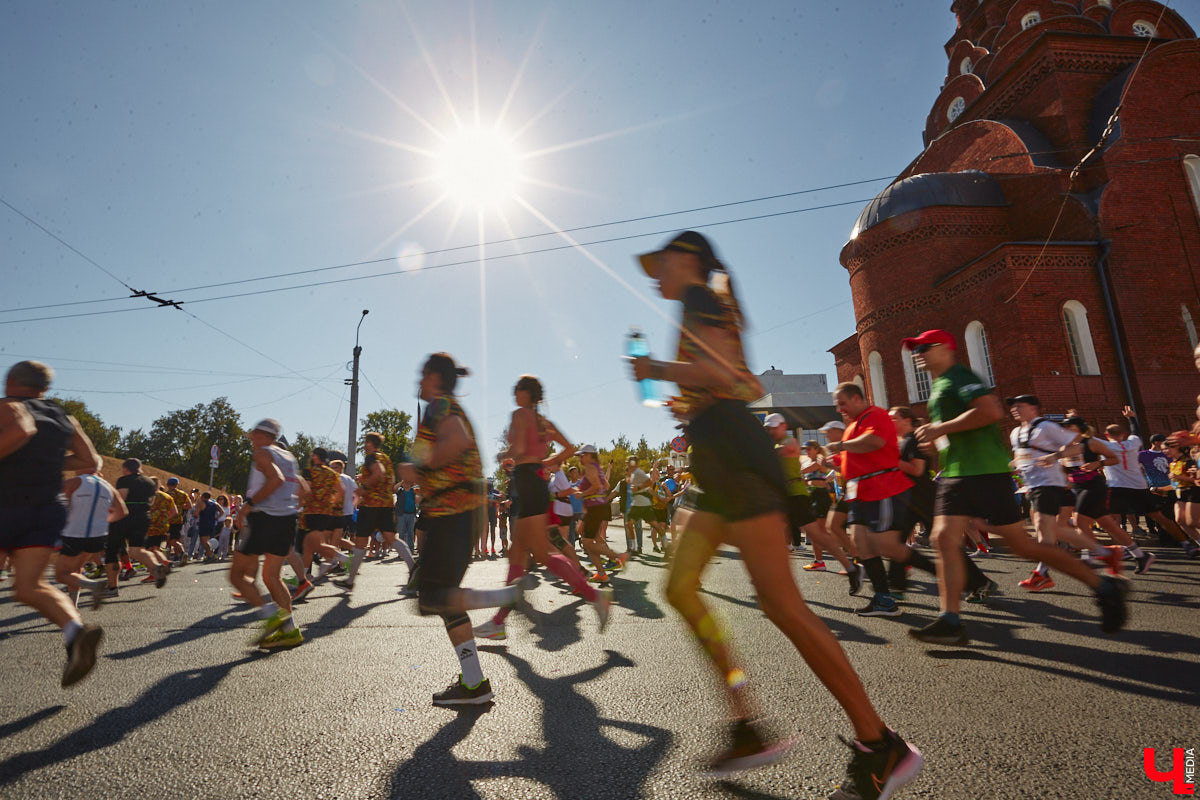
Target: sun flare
point(479, 167)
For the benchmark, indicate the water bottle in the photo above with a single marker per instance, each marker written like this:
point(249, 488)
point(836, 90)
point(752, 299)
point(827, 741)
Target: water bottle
point(636, 346)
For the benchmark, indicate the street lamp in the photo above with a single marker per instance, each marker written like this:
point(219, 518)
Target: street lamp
point(352, 382)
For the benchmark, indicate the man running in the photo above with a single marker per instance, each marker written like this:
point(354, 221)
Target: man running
point(175, 524)
point(376, 509)
point(130, 532)
point(92, 505)
point(1037, 445)
point(976, 482)
point(268, 517)
point(321, 513)
point(38, 442)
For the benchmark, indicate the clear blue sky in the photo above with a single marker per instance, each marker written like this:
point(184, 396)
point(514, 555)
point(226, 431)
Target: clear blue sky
point(180, 145)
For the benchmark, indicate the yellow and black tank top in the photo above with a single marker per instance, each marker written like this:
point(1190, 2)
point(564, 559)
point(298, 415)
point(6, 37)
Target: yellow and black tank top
point(703, 307)
point(454, 487)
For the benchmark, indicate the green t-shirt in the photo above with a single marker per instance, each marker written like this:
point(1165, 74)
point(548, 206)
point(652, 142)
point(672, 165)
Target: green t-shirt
point(796, 485)
point(981, 451)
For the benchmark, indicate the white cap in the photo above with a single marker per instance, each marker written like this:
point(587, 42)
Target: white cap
point(835, 424)
point(773, 420)
point(269, 426)
point(587, 449)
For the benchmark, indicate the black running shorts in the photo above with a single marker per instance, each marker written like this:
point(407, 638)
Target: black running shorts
point(264, 534)
point(532, 496)
point(446, 553)
point(989, 497)
point(1091, 499)
point(1133, 501)
point(127, 532)
point(321, 522)
point(77, 545)
point(175, 531)
point(821, 501)
point(375, 518)
point(593, 517)
point(1049, 500)
point(31, 526)
point(878, 516)
point(800, 510)
point(734, 463)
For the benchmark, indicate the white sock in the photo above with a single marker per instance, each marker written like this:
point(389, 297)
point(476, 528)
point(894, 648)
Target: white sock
point(489, 598)
point(1137, 551)
point(93, 583)
point(71, 630)
point(1041, 569)
point(267, 610)
point(468, 658)
point(355, 563)
point(288, 625)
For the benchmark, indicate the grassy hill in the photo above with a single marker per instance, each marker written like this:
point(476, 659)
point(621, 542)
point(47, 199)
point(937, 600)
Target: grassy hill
point(112, 470)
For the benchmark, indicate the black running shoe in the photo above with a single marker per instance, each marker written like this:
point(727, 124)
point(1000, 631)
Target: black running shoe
point(876, 774)
point(1110, 598)
point(940, 632)
point(81, 654)
point(1143, 562)
point(880, 607)
point(458, 695)
point(748, 749)
point(855, 576)
point(982, 594)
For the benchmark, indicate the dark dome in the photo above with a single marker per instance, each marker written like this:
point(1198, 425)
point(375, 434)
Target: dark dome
point(969, 188)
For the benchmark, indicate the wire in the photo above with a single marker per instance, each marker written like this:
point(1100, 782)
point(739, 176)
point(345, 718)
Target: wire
point(378, 394)
point(61, 241)
point(469, 261)
point(427, 253)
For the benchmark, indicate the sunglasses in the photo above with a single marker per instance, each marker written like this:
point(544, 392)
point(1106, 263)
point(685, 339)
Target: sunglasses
point(925, 348)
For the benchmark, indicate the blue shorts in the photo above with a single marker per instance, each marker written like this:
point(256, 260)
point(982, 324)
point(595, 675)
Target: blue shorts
point(32, 526)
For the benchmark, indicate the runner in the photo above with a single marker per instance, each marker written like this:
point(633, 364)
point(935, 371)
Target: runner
point(741, 502)
point(321, 514)
point(446, 464)
point(92, 505)
point(269, 517)
point(38, 442)
point(162, 508)
point(597, 513)
point(975, 482)
point(801, 517)
point(130, 531)
point(559, 531)
point(175, 524)
point(1036, 443)
point(1129, 490)
point(1085, 463)
point(530, 440)
point(375, 506)
point(345, 526)
point(879, 495)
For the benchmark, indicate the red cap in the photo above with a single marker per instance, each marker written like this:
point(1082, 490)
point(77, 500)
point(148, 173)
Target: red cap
point(930, 337)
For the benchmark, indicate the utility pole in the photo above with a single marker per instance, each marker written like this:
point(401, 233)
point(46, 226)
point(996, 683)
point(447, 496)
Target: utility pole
point(352, 382)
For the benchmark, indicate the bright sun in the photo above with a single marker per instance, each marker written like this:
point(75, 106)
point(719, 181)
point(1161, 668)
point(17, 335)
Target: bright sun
point(479, 166)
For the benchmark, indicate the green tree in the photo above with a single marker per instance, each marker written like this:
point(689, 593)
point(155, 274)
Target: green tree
point(302, 446)
point(396, 428)
point(133, 441)
point(180, 441)
point(106, 438)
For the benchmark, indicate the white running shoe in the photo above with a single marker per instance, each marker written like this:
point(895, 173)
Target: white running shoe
point(490, 630)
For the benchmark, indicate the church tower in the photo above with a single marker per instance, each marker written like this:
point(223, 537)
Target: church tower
point(1052, 221)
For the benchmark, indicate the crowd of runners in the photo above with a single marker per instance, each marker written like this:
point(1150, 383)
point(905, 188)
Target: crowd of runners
point(885, 492)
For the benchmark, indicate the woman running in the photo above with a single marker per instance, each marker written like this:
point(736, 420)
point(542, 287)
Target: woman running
point(597, 513)
point(741, 502)
point(530, 438)
point(445, 462)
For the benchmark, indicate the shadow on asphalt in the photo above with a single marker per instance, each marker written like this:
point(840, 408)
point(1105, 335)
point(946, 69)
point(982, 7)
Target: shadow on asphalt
point(196, 630)
point(635, 596)
point(162, 698)
point(21, 619)
point(571, 726)
point(748, 794)
point(336, 617)
point(16, 726)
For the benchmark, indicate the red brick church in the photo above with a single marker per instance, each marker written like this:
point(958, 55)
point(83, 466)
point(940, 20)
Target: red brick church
point(1094, 312)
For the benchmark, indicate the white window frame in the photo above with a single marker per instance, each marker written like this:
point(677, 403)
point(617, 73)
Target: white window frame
point(955, 109)
point(858, 381)
point(1146, 25)
point(966, 66)
point(978, 353)
point(919, 381)
point(1079, 338)
point(1030, 19)
point(878, 382)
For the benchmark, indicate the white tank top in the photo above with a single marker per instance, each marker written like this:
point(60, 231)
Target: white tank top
point(348, 487)
point(87, 514)
point(284, 501)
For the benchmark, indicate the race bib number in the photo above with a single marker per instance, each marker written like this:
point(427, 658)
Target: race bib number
point(851, 490)
point(942, 443)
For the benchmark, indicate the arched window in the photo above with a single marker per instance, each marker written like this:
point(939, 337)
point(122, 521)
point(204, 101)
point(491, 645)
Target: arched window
point(878, 387)
point(917, 379)
point(978, 353)
point(858, 381)
point(1104, 3)
point(1190, 326)
point(1191, 169)
point(966, 66)
point(1079, 338)
point(1030, 19)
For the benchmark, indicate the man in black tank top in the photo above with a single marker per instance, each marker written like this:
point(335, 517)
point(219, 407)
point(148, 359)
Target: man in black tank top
point(38, 442)
point(130, 531)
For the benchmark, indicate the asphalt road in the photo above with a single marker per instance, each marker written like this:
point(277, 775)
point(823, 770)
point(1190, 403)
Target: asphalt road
point(1043, 705)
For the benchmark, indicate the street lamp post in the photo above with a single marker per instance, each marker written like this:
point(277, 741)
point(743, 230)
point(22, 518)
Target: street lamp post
point(352, 382)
